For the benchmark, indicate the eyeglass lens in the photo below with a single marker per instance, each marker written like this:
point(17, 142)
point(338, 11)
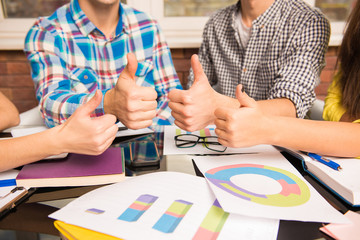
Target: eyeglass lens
point(190, 140)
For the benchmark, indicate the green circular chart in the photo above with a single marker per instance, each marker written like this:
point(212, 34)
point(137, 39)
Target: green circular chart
point(294, 191)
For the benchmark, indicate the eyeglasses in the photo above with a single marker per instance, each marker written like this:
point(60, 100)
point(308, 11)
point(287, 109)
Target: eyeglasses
point(190, 140)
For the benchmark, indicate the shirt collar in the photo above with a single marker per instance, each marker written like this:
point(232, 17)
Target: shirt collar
point(235, 9)
point(270, 14)
point(86, 26)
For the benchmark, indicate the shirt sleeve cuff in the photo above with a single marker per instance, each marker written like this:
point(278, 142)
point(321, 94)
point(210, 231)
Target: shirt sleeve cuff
point(100, 109)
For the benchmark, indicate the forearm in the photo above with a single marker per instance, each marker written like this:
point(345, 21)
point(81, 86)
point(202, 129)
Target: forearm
point(23, 150)
point(323, 137)
point(277, 107)
point(9, 119)
point(9, 115)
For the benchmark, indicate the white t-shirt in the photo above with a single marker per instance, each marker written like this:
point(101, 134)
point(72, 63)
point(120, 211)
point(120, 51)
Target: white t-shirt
point(244, 31)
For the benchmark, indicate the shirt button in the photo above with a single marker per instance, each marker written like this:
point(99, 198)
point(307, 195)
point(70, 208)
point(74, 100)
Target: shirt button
point(244, 69)
point(262, 26)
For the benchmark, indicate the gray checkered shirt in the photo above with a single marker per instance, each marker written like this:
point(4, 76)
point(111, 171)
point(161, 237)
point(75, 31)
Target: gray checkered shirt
point(283, 58)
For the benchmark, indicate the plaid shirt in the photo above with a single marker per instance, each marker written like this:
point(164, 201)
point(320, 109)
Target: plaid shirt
point(283, 58)
point(70, 59)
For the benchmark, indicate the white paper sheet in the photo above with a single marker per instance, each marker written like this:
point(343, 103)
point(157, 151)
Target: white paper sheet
point(168, 187)
point(170, 148)
point(24, 131)
point(265, 185)
point(30, 118)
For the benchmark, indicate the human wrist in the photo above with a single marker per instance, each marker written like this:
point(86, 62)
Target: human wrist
point(56, 140)
point(272, 130)
point(108, 102)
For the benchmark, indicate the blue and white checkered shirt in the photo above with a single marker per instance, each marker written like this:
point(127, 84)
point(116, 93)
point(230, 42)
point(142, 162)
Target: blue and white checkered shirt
point(70, 59)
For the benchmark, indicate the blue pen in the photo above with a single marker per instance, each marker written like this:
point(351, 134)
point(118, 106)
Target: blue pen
point(325, 161)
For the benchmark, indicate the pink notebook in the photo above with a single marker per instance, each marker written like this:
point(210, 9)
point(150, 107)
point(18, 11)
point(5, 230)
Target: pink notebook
point(344, 231)
point(75, 170)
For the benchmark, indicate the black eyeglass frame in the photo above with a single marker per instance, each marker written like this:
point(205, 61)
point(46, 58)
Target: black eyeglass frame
point(199, 140)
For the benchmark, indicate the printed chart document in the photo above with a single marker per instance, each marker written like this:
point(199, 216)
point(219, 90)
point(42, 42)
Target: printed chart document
point(345, 183)
point(170, 147)
point(162, 205)
point(265, 185)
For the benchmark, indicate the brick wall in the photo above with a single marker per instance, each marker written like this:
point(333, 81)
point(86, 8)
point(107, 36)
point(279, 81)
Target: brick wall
point(15, 80)
point(16, 83)
point(327, 73)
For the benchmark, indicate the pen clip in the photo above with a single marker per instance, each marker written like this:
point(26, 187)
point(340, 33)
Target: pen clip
point(12, 191)
point(325, 159)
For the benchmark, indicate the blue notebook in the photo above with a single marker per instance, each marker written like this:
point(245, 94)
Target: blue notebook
point(345, 183)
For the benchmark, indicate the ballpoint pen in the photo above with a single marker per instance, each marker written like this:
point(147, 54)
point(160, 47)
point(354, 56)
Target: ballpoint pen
point(325, 161)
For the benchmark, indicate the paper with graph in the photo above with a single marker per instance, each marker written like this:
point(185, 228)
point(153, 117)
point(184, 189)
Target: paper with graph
point(163, 205)
point(265, 185)
point(170, 147)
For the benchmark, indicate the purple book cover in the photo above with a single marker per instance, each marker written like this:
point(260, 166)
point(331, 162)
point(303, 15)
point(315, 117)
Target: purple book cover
point(76, 165)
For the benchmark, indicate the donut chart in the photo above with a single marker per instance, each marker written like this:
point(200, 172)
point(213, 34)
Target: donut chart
point(294, 191)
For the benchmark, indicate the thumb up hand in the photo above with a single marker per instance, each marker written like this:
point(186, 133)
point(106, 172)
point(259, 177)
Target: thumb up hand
point(199, 75)
point(193, 109)
point(133, 105)
point(243, 98)
point(86, 135)
point(128, 74)
point(240, 127)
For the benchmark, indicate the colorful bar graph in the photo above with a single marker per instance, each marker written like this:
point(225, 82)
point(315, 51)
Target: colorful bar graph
point(212, 224)
point(172, 217)
point(206, 132)
point(94, 211)
point(137, 208)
